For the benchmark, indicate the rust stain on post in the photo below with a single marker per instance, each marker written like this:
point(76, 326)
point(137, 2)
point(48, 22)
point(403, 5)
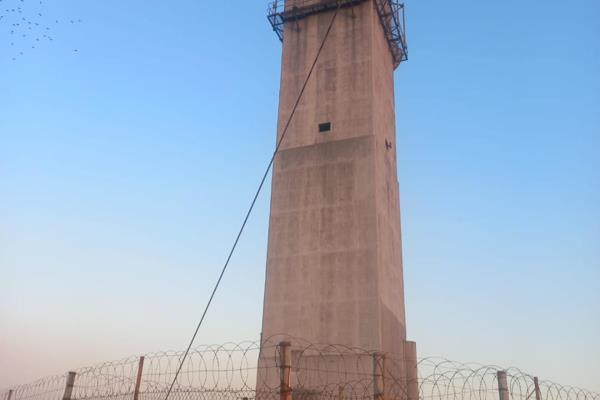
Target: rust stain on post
point(285, 389)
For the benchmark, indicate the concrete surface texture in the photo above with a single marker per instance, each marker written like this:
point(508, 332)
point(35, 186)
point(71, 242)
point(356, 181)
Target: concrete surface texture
point(334, 265)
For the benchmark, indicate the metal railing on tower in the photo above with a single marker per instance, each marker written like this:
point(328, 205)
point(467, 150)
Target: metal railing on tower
point(391, 16)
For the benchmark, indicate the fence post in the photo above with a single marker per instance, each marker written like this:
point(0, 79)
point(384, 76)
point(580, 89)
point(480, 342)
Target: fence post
point(69, 386)
point(10, 393)
point(378, 377)
point(138, 380)
point(538, 393)
point(285, 352)
point(503, 386)
point(412, 373)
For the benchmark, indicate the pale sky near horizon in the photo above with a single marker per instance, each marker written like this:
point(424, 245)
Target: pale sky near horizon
point(131, 144)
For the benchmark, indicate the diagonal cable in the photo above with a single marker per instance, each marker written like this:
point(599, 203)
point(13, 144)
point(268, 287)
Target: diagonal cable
point(260, 186)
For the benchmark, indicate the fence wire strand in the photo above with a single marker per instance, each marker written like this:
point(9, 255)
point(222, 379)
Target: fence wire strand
point(249, 371)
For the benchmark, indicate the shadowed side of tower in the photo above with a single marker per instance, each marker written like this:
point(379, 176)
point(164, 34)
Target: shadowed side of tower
point(334, 264)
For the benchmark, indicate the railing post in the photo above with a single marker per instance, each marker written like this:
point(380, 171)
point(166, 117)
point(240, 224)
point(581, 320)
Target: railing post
point(69, 386)
point(285, 388)
point(503, 386)
point(378, 376)
point(138, 380)
point(538, 393)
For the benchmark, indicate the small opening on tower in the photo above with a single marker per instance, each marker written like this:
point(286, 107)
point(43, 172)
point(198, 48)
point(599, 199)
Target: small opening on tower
point(325, 127)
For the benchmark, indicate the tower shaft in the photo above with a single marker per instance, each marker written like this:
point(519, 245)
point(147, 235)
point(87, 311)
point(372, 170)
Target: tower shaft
point(334, 266)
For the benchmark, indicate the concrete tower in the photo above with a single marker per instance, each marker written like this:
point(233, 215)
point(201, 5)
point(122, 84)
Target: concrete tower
point(334, 265)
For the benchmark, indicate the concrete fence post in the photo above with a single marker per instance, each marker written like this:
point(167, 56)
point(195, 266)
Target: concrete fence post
point(138, 379)
point(69, 386)
point(285, 369)
point(412, 373)
point(538, 393)
point(503, 386)
point(378, 376)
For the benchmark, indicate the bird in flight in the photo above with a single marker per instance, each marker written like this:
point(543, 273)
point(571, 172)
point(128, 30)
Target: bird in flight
point(29, 24)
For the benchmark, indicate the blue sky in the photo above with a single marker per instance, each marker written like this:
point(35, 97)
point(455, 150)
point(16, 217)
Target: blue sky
point(131, 144)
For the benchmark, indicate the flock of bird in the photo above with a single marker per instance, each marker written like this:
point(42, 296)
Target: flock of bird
point(26, 27)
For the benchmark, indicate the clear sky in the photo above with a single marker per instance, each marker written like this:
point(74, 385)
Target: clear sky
point(131, 144)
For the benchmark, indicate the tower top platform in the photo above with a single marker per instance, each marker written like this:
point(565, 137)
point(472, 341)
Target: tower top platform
point(391, 16)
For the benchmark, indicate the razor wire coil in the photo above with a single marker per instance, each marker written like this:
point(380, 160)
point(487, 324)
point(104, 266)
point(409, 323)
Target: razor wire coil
point(249, 371)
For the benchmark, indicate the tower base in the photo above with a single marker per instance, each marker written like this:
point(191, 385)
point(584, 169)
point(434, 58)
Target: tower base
point(296, 370)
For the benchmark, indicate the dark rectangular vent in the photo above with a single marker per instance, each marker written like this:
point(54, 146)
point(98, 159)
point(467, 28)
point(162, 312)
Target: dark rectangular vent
point(325, 127)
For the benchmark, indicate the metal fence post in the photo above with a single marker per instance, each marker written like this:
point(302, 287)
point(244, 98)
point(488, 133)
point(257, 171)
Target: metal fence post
point(503, 386)
point(378, 376)
point(69, 386)
point(285, 388)
point(138, 380)
point(538, 393)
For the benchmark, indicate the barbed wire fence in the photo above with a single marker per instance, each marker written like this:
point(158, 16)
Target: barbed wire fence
point(249, 371)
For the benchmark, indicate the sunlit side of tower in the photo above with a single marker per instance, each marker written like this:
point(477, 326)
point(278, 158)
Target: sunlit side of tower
point(334, 265)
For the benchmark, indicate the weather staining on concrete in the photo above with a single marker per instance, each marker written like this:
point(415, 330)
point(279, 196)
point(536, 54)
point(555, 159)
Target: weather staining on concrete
point(334, 260)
